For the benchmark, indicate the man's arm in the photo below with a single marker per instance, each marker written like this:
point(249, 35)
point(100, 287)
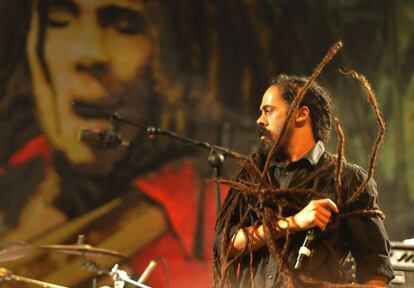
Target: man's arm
point(316, 214)
point(366, 235)
point(256, 234)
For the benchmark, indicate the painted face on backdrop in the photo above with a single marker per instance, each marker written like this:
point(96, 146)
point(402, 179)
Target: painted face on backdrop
point(96, 54)
point(273, 110)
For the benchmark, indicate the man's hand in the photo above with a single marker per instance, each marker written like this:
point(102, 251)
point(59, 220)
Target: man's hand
point(316, 214)
point(377, 281)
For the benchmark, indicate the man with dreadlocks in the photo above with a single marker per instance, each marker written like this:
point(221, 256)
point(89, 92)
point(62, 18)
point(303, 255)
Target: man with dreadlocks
point(260, 230)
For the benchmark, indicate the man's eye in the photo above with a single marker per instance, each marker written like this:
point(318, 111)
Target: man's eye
point(126, 26)
point(123, 20)
point(59, 18)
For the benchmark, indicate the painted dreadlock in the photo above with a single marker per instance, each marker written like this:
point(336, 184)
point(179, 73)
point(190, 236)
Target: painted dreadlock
point(253, 187)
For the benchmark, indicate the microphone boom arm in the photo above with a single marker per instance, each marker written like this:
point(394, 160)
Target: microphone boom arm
point(216, 155)
point(151, 130)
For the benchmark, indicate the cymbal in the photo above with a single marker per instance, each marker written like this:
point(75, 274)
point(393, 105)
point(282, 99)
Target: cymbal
point(8, 275)
point(83, 250)
point(11, 250)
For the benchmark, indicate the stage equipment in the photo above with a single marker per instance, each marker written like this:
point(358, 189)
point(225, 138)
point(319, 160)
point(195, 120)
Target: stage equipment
point(119, 277)
point(6, 275)
point(103, 139)
point(83, 250)
point(402, 260)
point(10, 250)
point(147, 272)
point(16, 250)
point(306, 249)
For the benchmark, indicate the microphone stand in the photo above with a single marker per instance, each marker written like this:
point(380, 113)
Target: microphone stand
point(216, 156)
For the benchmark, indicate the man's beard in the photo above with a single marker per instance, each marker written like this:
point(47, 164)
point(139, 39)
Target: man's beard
point(267, 144)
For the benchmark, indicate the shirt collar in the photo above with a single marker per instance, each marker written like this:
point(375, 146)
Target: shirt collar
point(312, 156)
point(315, 153)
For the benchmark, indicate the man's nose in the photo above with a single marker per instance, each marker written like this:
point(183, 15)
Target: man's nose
point(92, 51)
point(261, 121)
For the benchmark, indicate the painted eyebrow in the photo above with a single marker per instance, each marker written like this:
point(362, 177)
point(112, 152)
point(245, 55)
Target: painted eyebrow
point(68, 5)
point(108, 14)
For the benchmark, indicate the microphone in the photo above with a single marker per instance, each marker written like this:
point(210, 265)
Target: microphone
point(306, 249)
point(147, 272)
point(104, 139)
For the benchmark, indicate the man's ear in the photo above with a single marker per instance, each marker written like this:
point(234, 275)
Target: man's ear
point(302, 114)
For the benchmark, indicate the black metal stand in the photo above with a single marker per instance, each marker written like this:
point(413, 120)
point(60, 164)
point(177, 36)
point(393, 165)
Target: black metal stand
point(215, 159)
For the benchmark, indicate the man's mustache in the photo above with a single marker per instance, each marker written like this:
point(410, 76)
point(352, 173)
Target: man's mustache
point(95, 110)
point(262, 131)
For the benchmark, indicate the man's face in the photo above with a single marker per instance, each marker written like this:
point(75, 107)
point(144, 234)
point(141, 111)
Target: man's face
point(273, 115)
point(97, 54)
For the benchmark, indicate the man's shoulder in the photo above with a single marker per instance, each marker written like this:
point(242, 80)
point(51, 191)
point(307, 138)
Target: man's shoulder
point(353, 176)
point(349, 169)
point(356, 173)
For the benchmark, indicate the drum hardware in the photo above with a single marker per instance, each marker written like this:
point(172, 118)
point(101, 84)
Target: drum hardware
point(16, 250)
point(9, 276)
point(147, 272)
point(83, 250)
point(120, 277)
point(94, 267)
point(11, 250)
